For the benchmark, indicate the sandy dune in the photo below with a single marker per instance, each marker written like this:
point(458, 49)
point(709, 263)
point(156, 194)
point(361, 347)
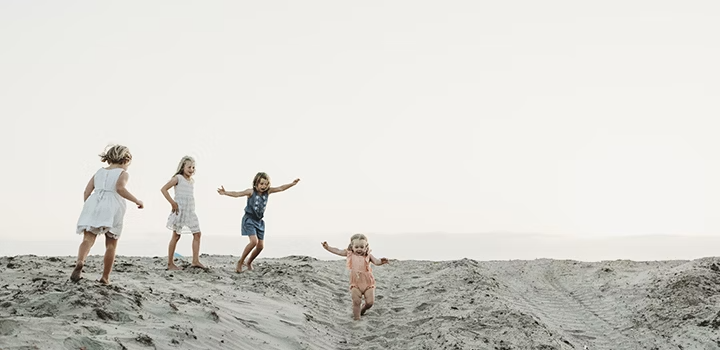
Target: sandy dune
point(302, 303)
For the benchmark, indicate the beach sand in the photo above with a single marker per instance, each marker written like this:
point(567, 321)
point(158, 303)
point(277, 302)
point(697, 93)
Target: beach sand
point(299, 302)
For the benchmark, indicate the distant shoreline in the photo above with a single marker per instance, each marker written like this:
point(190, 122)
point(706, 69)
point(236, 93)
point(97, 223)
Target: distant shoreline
point(421, 247)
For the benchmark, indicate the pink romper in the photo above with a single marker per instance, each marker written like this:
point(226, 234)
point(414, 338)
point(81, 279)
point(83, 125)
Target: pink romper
point(361, 276)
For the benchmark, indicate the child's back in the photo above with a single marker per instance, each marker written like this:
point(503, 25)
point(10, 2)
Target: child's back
point(104, 210)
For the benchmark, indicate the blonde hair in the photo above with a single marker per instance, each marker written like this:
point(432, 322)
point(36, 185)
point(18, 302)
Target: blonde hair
point(116, 154)
point(259, 176)
point(181, 165)
point(359, 237)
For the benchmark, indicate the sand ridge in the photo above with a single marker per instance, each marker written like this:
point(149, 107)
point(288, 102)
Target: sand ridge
point(299, 302)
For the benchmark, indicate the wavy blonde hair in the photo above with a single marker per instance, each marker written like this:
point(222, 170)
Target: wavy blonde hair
point(181, 165)
point(116, 154)
point(359, 237)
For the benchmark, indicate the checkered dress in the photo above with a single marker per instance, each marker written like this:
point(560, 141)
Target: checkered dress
point(186, 221)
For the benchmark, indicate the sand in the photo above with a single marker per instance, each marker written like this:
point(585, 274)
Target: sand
point(299, 302)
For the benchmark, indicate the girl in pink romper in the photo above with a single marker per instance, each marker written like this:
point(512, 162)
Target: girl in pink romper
point(362, 282)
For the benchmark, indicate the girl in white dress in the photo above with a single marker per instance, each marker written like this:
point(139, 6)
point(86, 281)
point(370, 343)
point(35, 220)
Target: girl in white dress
point(182, 217)
point(104, 209)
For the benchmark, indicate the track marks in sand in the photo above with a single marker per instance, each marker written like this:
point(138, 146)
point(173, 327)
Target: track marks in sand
point(581, 319)
point(588, 304)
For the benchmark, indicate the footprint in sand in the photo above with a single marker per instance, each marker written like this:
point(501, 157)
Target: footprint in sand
point(8, 327)
point(86, 343)
point(423, 307)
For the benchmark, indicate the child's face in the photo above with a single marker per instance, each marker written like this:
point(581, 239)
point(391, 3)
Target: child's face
point(358, 246)
point(189, 169)
point(263, 185)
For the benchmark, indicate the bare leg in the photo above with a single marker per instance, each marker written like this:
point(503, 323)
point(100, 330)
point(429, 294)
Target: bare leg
point(171, 251)
point(196, 250)
point(83, 251)
point(258, 248)
point(110, 245)
point(248, 248)
point(356, 301)
point(369, 300)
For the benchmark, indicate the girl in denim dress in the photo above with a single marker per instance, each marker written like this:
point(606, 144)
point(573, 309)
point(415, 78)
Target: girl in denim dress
point(253, 225)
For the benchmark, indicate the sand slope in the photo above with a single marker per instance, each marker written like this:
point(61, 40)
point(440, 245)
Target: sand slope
point(302, 303)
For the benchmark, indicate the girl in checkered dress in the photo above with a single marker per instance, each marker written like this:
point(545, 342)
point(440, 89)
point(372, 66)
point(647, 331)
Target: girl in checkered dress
point(182, 218)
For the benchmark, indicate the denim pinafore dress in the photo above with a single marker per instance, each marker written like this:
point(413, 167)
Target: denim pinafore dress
point(252, 221)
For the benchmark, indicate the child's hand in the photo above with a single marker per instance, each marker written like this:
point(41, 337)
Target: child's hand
point(325, 245)
point(175, 208)
point(221, 190)
point(384, 261)
point(140, 204)
point(295, 182)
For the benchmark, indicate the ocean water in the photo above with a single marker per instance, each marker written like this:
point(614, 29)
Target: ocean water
point(436, 247)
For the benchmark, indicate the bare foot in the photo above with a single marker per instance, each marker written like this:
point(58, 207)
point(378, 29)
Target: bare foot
point(104, 281)
point(174, 267)
point(249, 267)
point(76, 274)
point(238, 267)
point(198, 264)
point(362, 312)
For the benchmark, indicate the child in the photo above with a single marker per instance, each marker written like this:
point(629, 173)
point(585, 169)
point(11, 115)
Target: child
point(253, 225)
point(182, 214)
point(104, 209)
point(362, 282)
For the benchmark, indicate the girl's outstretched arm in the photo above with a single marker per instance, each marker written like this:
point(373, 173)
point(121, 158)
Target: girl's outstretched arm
point(376, 261)
point(341, 252)
point(283, 187)
point(89, 188)
point(166, 194)
point(234, 194)
point(123, 192)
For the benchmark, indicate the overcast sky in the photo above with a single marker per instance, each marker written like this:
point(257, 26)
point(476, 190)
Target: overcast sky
point(573, 118)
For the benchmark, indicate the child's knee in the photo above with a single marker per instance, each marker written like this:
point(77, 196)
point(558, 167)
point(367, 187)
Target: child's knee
point(368, 304)
point(197, 235)
point(110, 245)
point(357, 301)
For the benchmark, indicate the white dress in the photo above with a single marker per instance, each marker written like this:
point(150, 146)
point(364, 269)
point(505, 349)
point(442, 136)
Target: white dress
point(104, 210)
point(186, 221)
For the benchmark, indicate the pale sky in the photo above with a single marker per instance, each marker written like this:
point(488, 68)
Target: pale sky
point(572, 118)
